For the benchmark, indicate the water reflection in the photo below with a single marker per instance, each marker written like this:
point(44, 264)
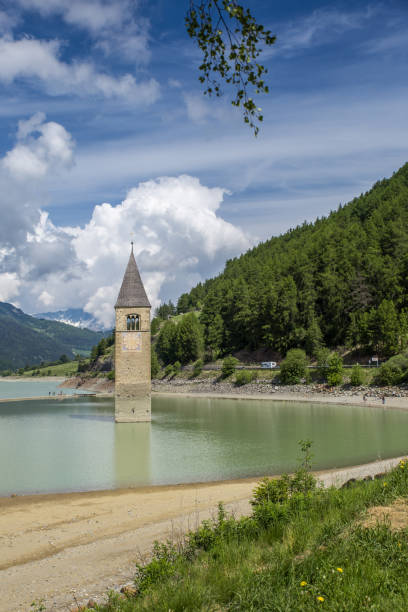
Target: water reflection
point(132, 454)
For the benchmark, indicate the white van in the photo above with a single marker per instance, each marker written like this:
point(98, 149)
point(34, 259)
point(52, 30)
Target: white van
point(268, 365)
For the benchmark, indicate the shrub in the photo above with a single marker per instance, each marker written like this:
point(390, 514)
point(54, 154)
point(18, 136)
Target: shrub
point(280, 490)
point(271, 490)
point(176, 367)
point(160, 567)
point(388, 375)
point(244, 377)
point(198, 366)
point(393, 371)
point(154, 326)
point(335, 370)
point(169, 371)
point(323, 357)
point(293, 367)
point(82, 366)
point(357, 375)
point(111, 375)
point(228, 366)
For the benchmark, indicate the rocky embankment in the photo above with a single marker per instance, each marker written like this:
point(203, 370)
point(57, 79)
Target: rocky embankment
point(97, 385)
point(260, 387)
point(216, 386)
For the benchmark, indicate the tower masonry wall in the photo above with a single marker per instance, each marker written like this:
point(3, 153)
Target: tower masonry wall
point(132, 367)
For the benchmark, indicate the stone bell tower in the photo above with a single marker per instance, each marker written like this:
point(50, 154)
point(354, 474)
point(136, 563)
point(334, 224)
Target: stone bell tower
point(132, 349)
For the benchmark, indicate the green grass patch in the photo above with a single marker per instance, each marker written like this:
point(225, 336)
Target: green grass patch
point(303, 548)
point(62, 369)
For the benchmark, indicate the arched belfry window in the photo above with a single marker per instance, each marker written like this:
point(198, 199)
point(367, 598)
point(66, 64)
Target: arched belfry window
point(133, 323)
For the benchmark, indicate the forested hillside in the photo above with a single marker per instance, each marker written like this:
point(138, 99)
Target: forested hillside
point(340, 280)
point(25, 339)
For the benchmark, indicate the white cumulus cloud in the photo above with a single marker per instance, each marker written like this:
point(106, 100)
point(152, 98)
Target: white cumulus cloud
point(179, 240)
point(179, 236)
point(41, 146)
point(28, 58)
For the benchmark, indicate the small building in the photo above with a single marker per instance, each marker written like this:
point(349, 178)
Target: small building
point(132, 349)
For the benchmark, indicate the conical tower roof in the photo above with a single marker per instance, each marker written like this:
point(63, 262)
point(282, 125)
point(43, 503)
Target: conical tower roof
point(132, 293)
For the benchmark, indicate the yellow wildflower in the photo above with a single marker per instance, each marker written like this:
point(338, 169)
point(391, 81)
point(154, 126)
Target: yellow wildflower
point(385, 484)
point(339, 569)
point(303, 583)
point(320, 598)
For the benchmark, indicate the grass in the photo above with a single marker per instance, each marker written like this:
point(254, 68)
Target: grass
point(62, 369)
point(177, 318)
point(300, 550)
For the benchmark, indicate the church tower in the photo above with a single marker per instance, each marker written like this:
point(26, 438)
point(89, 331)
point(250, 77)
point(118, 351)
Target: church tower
point(132, 349)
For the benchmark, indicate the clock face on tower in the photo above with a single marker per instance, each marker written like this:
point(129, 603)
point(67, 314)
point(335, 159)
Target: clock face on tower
point(131, 342)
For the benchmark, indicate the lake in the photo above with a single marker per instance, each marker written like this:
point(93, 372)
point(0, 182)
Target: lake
point(10, 388)
point(74, 444)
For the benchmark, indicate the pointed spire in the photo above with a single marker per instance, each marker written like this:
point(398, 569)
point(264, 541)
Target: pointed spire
point(132, 293)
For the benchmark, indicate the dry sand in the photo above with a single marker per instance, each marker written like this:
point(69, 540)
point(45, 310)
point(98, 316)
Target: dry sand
point(69, 548)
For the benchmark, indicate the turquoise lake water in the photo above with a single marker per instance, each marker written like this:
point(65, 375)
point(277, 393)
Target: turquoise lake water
point(74, 444)
point(35, 388)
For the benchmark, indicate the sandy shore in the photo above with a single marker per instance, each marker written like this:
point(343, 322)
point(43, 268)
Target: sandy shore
point(73, 547)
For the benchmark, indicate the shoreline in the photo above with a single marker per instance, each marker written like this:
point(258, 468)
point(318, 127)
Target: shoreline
point(395, 397)
point(69, 547)
point(393, 403)
point(46, 397)
point(326, 473)
point(33, 378)
point(399, 403)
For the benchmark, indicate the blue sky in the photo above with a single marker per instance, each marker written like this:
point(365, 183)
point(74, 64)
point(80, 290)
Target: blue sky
point(100, 103)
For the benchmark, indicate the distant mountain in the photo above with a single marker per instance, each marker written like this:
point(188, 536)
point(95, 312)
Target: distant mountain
point(27, 340)
point(72, 316)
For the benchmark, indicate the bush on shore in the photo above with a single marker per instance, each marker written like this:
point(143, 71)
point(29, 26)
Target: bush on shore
point(357, 377)
point(244, 377)
point(335, 370)
point(228, 366)
point(198, 367)
point(294, 367)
